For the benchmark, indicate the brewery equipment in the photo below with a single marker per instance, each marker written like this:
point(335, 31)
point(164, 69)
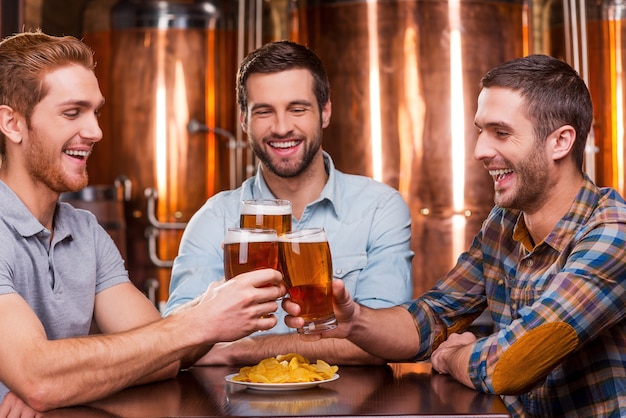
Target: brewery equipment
point(106, 202)
point(404, 81)
point(590, 37)
point(162, 64)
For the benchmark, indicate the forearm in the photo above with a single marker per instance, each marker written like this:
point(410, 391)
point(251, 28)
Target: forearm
point(251, 350)
point(452, 357)
point(457, 366)
point(73, 371)
point(337, 351)
point(388, 333)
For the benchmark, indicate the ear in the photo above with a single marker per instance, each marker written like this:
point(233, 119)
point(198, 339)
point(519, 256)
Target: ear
point(10, 124)
point(562, 142)
point(242, 122)
point(326, 112)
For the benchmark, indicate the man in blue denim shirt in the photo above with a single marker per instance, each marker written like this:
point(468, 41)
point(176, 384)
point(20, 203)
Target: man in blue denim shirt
point(284, 103)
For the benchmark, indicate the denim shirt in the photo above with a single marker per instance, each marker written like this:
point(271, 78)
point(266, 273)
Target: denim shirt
point(368, 226)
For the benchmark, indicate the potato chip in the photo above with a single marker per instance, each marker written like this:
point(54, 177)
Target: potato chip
point(290, 356)
point(286, 368)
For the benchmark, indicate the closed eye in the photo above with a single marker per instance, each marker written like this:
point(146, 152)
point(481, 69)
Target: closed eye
point(72, 113)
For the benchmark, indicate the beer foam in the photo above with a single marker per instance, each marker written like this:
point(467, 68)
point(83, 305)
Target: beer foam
point(268, 208)
point(249, 235)
point(304, 235)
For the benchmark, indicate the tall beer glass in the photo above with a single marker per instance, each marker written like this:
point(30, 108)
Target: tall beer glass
point(266, 213)
point(308, 272)
point(247, 249)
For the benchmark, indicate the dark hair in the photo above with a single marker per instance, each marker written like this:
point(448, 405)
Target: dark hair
point(281, 56)
point(554, 95)
point(25, 59)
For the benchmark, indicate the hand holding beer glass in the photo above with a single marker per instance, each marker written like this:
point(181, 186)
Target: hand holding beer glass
point(306, 264)
point(267, 214)
point(248, 249)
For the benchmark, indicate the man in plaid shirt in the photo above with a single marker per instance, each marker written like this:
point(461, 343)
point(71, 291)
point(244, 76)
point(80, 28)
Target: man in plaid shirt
point(549, 263)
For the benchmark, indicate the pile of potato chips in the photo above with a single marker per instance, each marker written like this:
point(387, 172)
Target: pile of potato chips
point(286, 368)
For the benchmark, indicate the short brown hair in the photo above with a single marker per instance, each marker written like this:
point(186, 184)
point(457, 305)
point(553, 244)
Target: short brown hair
point(554, 95)
point(280, 56)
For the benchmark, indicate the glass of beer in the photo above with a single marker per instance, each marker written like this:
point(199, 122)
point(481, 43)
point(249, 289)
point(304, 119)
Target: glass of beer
point(308, 272)
point(248, 249)
point(267, 214)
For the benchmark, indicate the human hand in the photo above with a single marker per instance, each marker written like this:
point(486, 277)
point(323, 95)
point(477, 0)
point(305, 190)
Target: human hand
point(346, 310)
point(13, 406)
point(235, 308)
point(452, 355)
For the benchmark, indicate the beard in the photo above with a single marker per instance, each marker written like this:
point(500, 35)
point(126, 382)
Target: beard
point(44, 165)
point(286, 167)
point(531, 186)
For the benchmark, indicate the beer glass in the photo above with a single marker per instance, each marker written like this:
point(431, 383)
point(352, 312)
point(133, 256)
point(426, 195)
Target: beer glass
point(247, 249)
point(306, 264)
point(266, 213)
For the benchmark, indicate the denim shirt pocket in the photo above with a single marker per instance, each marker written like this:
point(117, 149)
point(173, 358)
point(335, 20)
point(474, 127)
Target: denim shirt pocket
point(348, 267)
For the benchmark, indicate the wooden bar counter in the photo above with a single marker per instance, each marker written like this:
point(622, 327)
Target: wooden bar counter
point(398, 389)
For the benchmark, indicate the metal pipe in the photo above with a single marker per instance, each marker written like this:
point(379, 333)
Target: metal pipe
point(151, 236)
point(151, 197)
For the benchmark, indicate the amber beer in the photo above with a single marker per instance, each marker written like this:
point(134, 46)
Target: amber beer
point(267, 214)
point(306, 263)
point(248, 249)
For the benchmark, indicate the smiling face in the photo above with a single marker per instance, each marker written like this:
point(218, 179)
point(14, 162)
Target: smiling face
point(63, 129)
point(283, 122)
point(517, 162)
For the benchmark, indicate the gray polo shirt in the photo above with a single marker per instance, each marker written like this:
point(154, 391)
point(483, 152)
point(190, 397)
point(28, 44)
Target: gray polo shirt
point(58, 279)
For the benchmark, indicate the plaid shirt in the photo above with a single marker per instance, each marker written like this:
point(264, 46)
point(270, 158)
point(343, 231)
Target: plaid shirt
point(577, 276)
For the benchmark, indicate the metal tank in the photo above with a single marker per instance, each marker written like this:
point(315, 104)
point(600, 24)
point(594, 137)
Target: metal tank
point(166, 71)
point(606, 55)
point(590, 37)
point(106, 202)
point(404, 82)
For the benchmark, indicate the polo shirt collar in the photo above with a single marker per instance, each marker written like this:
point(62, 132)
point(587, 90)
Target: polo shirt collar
point(17, 214)
point(25, 223)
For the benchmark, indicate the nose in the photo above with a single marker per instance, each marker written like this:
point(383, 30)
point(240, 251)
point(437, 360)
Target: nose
point(282, 124)
point(483, 149)
point(91, 129)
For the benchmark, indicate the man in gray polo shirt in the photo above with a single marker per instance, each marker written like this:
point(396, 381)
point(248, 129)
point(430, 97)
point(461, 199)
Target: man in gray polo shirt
point(59, 269)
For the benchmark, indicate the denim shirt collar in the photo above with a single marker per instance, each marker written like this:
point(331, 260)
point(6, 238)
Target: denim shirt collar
point(330, 193)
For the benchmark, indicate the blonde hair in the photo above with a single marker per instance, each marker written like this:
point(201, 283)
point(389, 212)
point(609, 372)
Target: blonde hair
point(25, 58)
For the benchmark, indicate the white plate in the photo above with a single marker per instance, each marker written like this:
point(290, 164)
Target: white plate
point(279, 386)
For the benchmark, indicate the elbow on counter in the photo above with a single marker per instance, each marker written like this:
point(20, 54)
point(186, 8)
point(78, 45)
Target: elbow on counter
point(532, 357)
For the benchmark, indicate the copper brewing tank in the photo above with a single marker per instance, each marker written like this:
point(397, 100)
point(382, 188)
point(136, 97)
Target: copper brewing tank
point(404, 81)
point(593, 40)
point(603, 57)
point(106, 202)
point(606, 52)
point(162, 64)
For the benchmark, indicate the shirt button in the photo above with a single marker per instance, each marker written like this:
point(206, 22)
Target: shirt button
point(529, 263)
point(514, 306)
point(338, 271)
